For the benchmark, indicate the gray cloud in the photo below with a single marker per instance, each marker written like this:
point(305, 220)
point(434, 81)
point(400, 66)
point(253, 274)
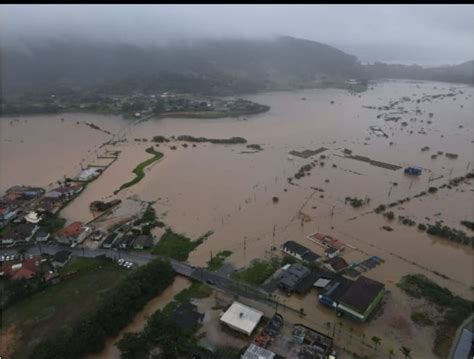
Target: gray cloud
point(430, 34)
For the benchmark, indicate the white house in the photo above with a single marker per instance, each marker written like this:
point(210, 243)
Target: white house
point(242, 318)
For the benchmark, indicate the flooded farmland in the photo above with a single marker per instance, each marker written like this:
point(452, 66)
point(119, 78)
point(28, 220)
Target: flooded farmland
point(225, 189)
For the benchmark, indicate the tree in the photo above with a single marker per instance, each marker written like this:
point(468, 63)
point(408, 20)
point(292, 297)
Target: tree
point(133, 345)
point(406, 352)
point(376, 341)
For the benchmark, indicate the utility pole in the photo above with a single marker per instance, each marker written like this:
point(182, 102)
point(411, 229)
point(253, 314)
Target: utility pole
point(450, 173)
point(468, 165)
point(273, 240)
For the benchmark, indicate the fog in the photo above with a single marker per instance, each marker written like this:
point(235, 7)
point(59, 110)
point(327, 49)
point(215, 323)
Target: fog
point(424, 34)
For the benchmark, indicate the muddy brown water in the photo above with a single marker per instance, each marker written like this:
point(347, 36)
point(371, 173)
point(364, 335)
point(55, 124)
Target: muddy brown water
point(216, 187)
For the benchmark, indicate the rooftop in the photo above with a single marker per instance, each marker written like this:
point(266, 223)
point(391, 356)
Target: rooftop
point(256, 352)
point(241, 317)
point(62, 256)
point(361, 293)
point(337, 263)
point(73, 230)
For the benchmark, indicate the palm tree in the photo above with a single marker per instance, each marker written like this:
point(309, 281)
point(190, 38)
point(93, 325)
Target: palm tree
point(376, 341)
point(391, 353)
point(406, 352)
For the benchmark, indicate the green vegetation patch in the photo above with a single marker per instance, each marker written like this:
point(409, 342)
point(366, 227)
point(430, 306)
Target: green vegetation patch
point(112, 311)
point(354, 201)
point(218, 260)
point(52, 224)
point(421, 318)
point(139, 170)
point(59, 306)
point(258, 271)
point(451, 234)
point(162, 330)
point(221, 141)
point(468, 224)
point(455, 309)
point(177, 246)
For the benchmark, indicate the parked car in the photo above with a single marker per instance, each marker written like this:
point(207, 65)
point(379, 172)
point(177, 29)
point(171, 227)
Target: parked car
point(129, 265)
point(120, 261)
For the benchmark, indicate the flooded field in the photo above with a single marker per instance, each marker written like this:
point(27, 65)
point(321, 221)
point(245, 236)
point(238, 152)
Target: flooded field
point(217, 187)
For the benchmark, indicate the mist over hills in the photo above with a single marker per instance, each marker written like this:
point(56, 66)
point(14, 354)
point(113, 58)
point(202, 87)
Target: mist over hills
point(217, 67)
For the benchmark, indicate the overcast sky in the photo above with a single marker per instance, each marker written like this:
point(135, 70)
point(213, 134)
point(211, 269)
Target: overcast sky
point(426, 34)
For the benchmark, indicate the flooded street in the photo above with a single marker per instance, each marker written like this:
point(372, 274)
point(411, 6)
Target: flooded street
point(217, 187)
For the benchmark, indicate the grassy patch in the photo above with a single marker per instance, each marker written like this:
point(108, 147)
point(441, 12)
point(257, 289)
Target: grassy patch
point(52, 224)
point(258, 271)
point(63, 304)
point(139, 170)
point(455, 309)
point(217, 261)
point(177, 246)
point(196, 290)
point(421, 318)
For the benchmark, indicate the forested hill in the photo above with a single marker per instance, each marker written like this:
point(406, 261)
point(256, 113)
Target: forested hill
point(215, 67)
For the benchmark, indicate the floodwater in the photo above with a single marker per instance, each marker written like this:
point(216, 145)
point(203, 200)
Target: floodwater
point(139, 322)
point(216, 187)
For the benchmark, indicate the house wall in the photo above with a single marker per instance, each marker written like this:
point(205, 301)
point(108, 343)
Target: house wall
point(293, 254)
point(362, 316)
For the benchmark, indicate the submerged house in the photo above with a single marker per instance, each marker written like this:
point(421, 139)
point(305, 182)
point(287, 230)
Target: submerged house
point(332, 293)
point(361, 298)
point(336, 264)
point(299, 251)
point(292, 275)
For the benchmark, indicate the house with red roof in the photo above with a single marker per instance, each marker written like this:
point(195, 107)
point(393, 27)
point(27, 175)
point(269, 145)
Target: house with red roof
point(74, 233)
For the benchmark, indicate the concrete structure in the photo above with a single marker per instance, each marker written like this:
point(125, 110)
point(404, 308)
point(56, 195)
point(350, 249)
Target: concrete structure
point(242, 318)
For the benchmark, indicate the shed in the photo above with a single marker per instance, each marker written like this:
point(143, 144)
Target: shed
point(61, 258)
point(242, 318)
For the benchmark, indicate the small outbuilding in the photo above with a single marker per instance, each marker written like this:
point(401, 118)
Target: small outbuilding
point(61, 258)
point(242, 318)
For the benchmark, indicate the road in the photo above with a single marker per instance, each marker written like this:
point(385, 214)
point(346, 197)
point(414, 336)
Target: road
point(141, 257)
